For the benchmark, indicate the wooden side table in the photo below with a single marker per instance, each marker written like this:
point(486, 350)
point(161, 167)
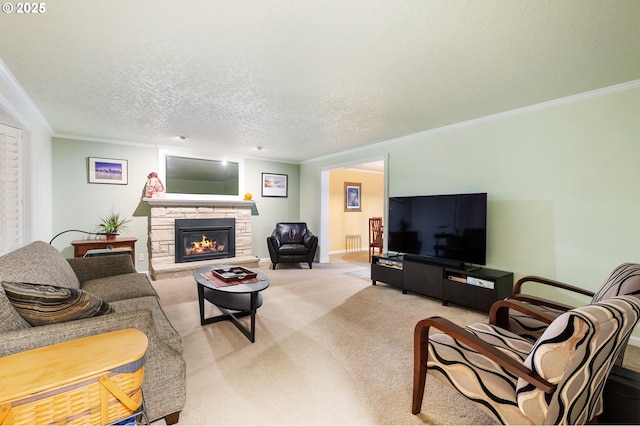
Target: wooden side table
point(80, 247)
point(91, 380)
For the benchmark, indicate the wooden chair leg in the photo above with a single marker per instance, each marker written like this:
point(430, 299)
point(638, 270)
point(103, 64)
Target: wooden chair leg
point(499, 314)
point(173, 418)
point(420, 354)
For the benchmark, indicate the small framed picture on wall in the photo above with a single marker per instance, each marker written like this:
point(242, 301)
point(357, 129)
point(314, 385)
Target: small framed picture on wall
point(108, 170)
point(352, 197)
point(274, 185)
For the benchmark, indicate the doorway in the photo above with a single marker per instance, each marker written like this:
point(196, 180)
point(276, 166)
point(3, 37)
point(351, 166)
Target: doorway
point(342, 228)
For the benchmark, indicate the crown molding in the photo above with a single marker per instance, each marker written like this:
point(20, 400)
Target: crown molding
point(103, 140)
point(7, 75)
point(623, 87)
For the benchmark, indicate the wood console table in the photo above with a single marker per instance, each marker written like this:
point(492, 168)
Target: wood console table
point(80, 247)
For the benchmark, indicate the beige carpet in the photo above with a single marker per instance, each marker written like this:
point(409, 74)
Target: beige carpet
point(330, 349)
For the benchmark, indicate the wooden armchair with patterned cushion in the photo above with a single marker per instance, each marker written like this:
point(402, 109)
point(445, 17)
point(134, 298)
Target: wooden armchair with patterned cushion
point(528, 316)
point(558, 379)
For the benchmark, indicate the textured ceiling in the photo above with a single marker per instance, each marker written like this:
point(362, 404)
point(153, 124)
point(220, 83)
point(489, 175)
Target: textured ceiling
point(304, 79)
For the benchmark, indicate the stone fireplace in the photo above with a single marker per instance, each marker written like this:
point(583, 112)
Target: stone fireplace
point(162, 235)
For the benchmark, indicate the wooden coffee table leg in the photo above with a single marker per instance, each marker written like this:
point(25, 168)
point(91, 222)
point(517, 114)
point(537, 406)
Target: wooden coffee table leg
point(250, 333)
point(201, 302)
point(254, 309)
point(231, 314)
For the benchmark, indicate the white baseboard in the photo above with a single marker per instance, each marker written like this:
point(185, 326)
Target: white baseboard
point(346, 251)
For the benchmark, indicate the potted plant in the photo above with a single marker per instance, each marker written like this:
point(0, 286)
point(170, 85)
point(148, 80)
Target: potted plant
point(112, 225)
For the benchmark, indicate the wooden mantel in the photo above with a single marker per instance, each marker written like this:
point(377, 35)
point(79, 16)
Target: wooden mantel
point(174, 202)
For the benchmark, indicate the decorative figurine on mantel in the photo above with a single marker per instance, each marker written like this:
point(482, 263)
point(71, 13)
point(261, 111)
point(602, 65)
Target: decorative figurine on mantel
point(154, 187)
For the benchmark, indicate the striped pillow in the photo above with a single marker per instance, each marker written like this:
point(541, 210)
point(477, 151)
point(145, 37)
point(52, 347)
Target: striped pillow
point(42, 304)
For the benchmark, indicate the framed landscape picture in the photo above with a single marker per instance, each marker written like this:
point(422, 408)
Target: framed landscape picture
point(352, 197)
point(274, 185)
point(108, 170)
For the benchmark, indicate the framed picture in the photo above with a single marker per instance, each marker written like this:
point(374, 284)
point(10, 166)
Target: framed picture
point(352, 197)
point(274, 185)
point(108, 170)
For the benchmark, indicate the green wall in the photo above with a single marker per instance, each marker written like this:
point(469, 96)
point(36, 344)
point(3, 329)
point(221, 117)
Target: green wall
point(270, 210)
point(78, 204)
point(562, 181)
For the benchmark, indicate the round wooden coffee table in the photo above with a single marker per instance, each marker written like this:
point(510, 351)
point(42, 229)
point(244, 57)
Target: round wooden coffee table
point(235, 298)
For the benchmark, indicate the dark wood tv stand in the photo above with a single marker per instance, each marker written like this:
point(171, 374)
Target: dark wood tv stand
point(477, 288)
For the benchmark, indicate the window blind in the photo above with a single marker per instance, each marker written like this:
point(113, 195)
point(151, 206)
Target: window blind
point(11, 194)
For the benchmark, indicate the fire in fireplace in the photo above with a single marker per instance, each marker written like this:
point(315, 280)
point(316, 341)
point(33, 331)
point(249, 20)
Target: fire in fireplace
point(204, 239)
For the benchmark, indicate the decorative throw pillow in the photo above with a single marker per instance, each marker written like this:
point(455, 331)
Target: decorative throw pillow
point(41, 304)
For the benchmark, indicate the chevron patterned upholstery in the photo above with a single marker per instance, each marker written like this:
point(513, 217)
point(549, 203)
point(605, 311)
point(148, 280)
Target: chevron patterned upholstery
point(625, 279)
point(558, 379)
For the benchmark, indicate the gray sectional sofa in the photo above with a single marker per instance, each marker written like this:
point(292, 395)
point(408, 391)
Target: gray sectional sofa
point(102, 294)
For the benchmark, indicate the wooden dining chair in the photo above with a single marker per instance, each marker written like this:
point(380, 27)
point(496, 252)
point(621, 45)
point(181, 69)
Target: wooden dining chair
point(375, 236)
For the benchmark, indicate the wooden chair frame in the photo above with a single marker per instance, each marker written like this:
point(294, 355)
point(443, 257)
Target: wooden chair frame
point(499, 312)
point(532, 306)
point(421, 353)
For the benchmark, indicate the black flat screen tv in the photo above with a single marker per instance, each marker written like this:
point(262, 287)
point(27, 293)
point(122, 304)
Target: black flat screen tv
point(451, 228)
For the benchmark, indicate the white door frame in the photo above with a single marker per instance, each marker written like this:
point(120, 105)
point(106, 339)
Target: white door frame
point(324, 199)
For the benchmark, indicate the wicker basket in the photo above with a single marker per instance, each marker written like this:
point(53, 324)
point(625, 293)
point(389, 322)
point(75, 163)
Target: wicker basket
point(103, 398)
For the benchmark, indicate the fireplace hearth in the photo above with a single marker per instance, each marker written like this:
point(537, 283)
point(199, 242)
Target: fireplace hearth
point(204, 239)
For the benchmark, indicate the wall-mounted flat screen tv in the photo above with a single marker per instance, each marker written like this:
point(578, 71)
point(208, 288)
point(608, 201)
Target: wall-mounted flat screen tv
point(449, 227)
